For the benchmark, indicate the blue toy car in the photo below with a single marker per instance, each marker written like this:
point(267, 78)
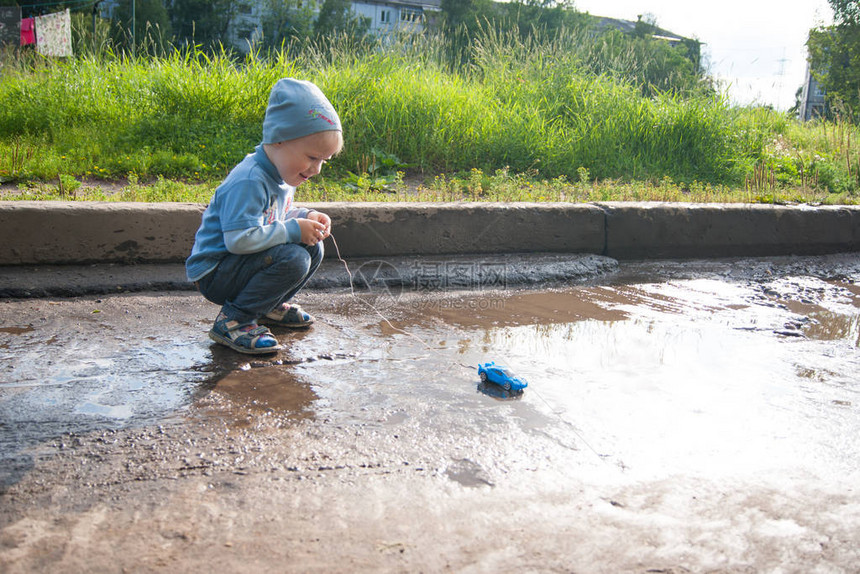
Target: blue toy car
point(502, 376)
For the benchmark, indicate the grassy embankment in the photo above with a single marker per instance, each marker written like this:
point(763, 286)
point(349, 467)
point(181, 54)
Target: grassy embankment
point(518, 125)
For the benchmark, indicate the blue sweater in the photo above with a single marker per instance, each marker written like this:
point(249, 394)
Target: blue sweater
point(250, 211)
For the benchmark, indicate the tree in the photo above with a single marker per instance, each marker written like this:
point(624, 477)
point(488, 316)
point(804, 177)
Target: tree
point(337, 16)
point(461, 23)
point(202, 21)
point(284, 20)
point(665, 65)
point(845, 11)
point(551, 16)
point(834, 55)
point(151, 21)
point(468, 14)
point(646, 25)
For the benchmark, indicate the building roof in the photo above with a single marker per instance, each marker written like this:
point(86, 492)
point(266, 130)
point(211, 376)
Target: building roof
point(629, 26)
point(426, 5)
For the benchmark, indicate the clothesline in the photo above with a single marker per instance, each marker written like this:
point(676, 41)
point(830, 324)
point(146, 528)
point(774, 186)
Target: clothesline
point(52, 33)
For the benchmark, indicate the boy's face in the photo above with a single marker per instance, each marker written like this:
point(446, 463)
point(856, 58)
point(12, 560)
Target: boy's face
point(300, 159)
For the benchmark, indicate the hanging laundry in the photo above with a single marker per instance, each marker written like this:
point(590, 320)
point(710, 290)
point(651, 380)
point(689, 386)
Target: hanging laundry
point(54, 34)
point(28, 31)
point(10, 24)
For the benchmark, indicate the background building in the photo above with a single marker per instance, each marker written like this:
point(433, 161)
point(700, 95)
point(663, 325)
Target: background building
point(812, 99)
point(389, 16)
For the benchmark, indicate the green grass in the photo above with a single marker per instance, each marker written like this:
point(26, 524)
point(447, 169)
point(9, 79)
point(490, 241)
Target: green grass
point(527, 121)
point(475, 185)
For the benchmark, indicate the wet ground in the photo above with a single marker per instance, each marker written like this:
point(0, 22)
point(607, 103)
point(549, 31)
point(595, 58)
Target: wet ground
point(680, 416)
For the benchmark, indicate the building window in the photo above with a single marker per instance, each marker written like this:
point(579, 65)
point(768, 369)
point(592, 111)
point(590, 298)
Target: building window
point(408, 14)
point(385, 16)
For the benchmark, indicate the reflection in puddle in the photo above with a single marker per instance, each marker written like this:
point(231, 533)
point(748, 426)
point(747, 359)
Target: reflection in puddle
point(497, 392)
point(82, 384)
point(701, 391)
point(679, 376)
point(543, 307)
point(683, 375)
point(467, 473)
point(120, 412)
point(17, 330)
point(829, 326)
point(828, 309)
point(272, 388)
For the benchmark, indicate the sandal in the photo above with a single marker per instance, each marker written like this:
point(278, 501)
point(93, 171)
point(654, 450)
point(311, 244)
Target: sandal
point(248, 338)
point(292, 317)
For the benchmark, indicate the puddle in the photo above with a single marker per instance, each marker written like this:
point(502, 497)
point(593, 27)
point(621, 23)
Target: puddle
point(270, 388)
point(548, 307)
point(60, 376)
point(17, 330)
point(467, 473)
point(701, 376)
point(495, 391)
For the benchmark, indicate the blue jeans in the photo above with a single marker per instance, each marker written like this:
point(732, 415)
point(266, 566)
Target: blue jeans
point(249, 286)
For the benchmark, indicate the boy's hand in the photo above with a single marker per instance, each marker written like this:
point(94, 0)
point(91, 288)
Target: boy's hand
point(312, 231)
point(321, 217)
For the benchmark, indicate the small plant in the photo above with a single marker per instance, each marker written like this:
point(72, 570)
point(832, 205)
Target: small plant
point(13, 162)
point(476, 183)
point(584, 175)
point(381, 172)
point(67, 186)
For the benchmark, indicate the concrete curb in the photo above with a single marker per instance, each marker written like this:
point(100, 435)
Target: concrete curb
point(677, 230)
point(53, 233)
point(368, 276)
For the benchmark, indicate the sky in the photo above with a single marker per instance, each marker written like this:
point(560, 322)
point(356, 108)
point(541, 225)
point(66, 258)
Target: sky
point(756, 48)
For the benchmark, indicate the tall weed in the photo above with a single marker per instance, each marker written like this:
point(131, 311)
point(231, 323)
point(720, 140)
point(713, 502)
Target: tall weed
point(554, 108)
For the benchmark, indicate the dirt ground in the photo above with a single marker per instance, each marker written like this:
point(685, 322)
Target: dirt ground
point(411, 184)
point(679, 418)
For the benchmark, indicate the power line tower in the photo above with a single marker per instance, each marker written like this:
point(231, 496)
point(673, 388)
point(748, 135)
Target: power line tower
point(780, 75)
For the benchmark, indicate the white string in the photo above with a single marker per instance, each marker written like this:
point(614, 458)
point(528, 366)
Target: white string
point(377, 311)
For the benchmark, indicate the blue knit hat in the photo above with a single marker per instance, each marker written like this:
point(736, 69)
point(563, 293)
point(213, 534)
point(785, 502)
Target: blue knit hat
point(296, 109)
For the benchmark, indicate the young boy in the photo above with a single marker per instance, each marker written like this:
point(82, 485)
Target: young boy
point(254, 249)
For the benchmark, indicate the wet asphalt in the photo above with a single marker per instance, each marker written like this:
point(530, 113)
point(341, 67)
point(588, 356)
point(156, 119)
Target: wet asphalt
point(680, 416)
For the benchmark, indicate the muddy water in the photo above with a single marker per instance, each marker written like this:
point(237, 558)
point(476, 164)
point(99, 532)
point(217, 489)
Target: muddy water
point(715, 369)
point(80, 365)
point(680, 416)
point(694, 376)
